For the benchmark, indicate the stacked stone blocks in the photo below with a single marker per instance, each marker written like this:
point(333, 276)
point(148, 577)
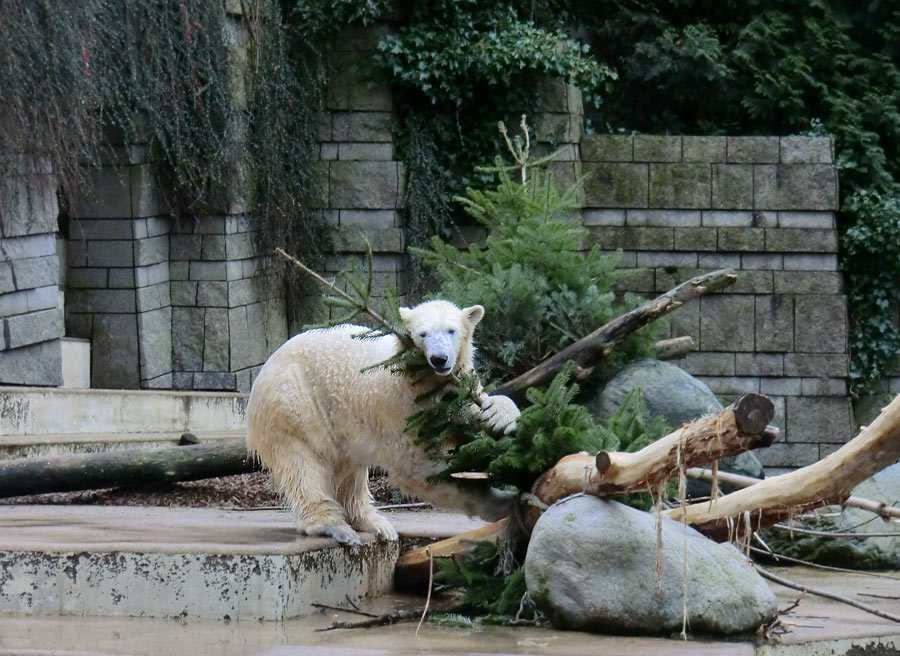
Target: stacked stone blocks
point(31, 308)
point(679, 206)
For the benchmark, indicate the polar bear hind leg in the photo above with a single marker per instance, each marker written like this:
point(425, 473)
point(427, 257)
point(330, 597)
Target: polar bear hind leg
point(354, 496)
point(309, 488)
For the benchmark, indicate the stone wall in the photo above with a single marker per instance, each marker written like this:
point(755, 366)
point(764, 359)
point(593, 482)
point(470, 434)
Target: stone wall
point(31, 307)
point(765, 206)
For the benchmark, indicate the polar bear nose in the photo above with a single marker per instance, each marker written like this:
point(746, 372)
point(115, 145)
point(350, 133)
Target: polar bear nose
point(438, 361)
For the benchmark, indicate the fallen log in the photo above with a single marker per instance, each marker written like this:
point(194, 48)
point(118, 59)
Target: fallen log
point(412, 567)
point(741, 426)
point(673, 349)
point(879, 508)
point(593, 348)
point(828, 481)
point(130, 467)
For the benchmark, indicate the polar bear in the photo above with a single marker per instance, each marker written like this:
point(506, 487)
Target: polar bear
point(318, 418)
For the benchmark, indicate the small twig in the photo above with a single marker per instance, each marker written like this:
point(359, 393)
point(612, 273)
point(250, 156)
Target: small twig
point(430, 584)
point(777, 557)
point(877, 596)
point(384, 323)
point(766, 574)
point(387, 618)
point(834, 534)
point(355, 610)
point(403, 506)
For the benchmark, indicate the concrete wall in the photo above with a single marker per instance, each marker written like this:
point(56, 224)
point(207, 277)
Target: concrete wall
point(31, 316)
point(765, 206)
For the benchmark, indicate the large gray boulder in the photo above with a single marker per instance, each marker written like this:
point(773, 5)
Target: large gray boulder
point(855, 553)
point(673, 394)
point(591, 565)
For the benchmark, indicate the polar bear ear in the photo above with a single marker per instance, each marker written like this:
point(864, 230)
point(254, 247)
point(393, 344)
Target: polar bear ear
point(405, 315)
point(473, 314)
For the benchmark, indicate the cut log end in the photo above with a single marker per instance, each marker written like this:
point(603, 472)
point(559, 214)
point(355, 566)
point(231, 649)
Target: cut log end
point(753, 412)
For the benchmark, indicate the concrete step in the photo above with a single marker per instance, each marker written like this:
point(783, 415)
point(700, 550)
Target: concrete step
point(47, 421)
point(178, 563)
point(54, 444)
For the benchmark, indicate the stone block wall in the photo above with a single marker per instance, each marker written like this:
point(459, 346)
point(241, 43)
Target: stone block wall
point(364, 182)
point(764, 206)
point(31, 307)
point(118, 274)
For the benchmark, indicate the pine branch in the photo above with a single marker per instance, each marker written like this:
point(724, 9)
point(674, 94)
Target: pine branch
point(361, 305)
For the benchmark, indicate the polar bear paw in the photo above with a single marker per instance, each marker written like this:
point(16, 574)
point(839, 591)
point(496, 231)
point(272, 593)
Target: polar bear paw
point(342, 533)
point(497, 414)
point(375, 523)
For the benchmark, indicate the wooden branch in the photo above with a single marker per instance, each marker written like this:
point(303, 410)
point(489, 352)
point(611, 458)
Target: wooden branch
point(880, 508)
point(589, 350)
point(129, 467)
point(735, 429)
point(414, 566)
point(383, 323)
point(673, 349)
point(828, 481)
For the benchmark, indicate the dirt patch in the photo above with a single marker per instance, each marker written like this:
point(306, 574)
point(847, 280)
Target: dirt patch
point(234, 492)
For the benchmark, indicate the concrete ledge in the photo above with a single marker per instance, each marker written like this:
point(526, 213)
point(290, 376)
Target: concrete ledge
point(51, 444)
point(177, 563)
point(41, 411)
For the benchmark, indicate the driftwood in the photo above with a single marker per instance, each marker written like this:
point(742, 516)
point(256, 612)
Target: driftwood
point(414, 566)
point(828, 481)
point(130, 467)
point(588, 351)
point(739, 481)
point(735, 429)
point(673, 349)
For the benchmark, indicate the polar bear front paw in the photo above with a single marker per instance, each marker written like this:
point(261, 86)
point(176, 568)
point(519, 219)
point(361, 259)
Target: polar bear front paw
point(375, 523)
point(498, 414)
point(342, 533)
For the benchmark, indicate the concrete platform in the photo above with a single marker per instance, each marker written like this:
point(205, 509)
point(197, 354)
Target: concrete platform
point(182, 562)
point(817, 627)
point(39, 421)
point(198, 570)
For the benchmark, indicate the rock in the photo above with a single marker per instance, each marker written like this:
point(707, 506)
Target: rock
point(673, 394)
point(591, 565)
point(855, 553)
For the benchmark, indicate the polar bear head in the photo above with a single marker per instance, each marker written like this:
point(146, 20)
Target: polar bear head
point(443, 333)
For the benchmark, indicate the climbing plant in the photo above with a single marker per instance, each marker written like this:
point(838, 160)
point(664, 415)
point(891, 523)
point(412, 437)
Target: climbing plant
point(826, 67)
point(98, 81)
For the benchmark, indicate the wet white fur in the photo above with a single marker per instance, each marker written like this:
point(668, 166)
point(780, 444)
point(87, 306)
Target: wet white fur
point(317, 422)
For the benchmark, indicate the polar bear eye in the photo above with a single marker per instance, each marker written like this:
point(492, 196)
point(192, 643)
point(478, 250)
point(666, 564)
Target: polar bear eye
point(451, 331)
point(423, 335)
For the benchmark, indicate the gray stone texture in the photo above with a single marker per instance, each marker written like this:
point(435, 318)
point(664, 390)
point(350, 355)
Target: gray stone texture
point(187, 338)
point(820, 324)
point(753, 150)
point(591, 565)
point(616, 185)
point(704, 149)
point(114, 352)
point(774, 323)
point(364, 185)
point(155, 336)
point(215, 340)
point(792, 186)
point(725, 323)
point(35, 272)
point(607, 148)
point(656, 148)
point(680, 185)
point(35, 364)
point(819, 419)
point(732, 186)
point(32, 327)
